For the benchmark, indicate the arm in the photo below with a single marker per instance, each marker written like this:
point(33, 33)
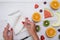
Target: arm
point(35, 37)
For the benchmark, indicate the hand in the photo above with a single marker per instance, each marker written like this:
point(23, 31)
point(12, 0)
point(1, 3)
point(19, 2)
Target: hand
point(31, 28)
point(6, 32)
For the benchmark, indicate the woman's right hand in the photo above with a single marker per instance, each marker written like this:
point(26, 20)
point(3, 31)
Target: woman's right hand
point(31, 28)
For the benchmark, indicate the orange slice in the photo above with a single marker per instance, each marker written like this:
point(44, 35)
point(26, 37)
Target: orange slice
point(59, 4)
point(51, 32)
point(54, 0)
point(54, 4)
point(36, 17)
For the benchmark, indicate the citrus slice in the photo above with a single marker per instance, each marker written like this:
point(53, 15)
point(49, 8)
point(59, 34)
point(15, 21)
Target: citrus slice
point(59, 3)
point(54, 4)
point(51, 32)
point(46, 23)
point(36, 17)
point(55, 0)
point(47, 13)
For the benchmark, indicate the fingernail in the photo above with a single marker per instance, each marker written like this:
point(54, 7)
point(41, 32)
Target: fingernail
point(26, 17)
point(11, 29)
point(23, 22)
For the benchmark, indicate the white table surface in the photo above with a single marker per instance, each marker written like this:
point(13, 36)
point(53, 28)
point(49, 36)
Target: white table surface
point(27, 8)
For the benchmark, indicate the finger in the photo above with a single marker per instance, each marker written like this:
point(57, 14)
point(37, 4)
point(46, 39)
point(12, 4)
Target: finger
point(33, 23)
point(11, 32)
point(22, 22)
point(3, 34)
point(7, 27)
point(25, 24)
point(29, 22)
point(26, 19)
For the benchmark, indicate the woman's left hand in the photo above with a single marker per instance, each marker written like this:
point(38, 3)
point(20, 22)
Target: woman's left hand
point(6, 32)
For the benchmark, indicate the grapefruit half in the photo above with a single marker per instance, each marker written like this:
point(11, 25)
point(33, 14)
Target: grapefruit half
point(47, 13)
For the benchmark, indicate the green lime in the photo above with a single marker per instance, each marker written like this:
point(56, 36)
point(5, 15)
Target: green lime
point(46, 23)
point(37, 28)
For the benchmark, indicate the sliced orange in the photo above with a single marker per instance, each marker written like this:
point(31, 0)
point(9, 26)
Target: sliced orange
point(51, 32)
point(36, 17)
point(54, 0)
point(54, 4)
point(59, 4)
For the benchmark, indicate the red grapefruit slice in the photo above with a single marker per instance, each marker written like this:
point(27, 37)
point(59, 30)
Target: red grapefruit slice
point(47, 13)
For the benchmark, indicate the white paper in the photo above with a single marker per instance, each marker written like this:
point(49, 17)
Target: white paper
point(19, 26)
point(16, 22)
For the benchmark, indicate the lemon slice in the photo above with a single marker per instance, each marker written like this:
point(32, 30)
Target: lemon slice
point(51, 32)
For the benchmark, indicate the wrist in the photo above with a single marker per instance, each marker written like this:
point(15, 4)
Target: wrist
point(6, 39)
point(10, 39)
point(35, 37)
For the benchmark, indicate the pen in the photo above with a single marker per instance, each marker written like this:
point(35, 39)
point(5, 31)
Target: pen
point(25, 38)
